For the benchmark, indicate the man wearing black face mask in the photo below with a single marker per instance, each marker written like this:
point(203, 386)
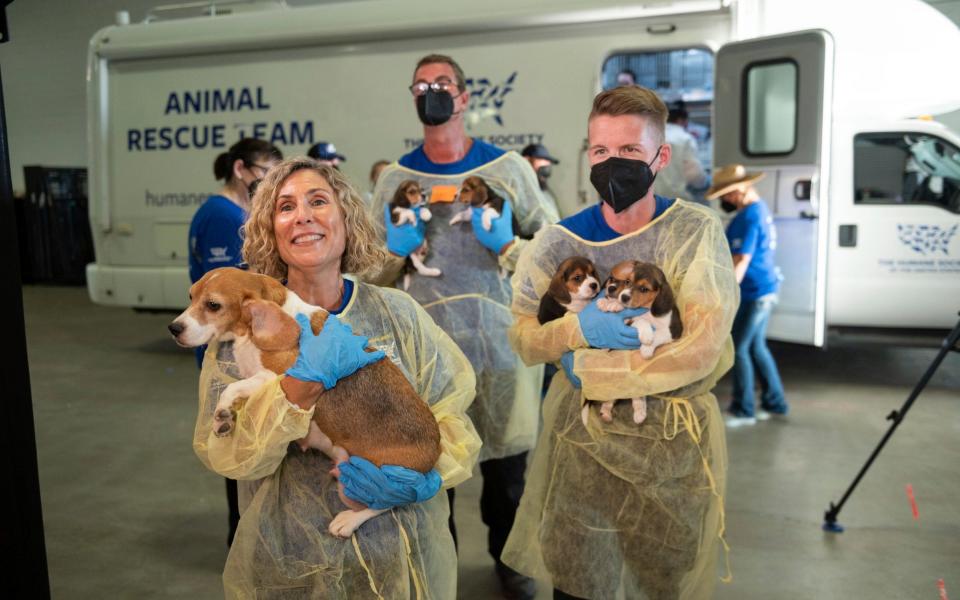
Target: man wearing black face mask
point(471, 299)
point(646, 498)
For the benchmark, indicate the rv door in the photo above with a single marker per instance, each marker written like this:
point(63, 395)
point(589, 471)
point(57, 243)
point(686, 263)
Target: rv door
point(772, 114)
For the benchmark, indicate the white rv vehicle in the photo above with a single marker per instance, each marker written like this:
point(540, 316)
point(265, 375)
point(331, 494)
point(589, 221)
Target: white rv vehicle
point(824, 100)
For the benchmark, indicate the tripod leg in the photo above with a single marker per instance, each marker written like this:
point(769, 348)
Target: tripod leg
point(949, 343)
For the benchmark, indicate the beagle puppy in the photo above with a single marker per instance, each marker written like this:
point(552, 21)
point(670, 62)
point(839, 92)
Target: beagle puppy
point(573, 286)
point(408, 199)
point(635, 284)
point(475, 192)
point(374, 413)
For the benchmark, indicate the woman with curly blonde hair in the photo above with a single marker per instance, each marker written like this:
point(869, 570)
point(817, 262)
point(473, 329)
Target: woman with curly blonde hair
point(308, 228)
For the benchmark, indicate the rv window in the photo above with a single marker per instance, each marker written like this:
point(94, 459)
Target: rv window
point(770, 108)
point(906, 168)
point(683, 78)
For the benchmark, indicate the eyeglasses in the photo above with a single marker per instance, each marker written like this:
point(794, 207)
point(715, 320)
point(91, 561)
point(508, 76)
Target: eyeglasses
point(413, 192)
point(263, 168)
point(441, 85)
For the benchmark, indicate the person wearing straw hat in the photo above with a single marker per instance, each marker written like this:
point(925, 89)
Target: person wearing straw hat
point(753, 243)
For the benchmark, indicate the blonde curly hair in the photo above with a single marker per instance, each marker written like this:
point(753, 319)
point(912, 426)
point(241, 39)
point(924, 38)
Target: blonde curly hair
point(363, 251)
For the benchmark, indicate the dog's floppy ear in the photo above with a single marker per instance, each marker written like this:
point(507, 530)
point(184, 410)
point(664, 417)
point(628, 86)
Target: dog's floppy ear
point(272, 290)
point(481, 192)
point(558, 287)
point(270, 328)
point(664, 301)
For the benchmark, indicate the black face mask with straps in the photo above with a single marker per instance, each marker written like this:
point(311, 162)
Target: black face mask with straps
point(622, 181)
point(434, 108)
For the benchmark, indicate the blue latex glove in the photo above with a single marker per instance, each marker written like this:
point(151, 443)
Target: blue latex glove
point(404, 239)
point(387, 486)
point(566, 361)
point(501, 229)
point(607, 330)
point(331, 355)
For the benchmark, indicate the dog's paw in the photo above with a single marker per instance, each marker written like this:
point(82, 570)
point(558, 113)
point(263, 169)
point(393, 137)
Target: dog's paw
point(609, 304)
point(646, 351)
point(425, 214)
point(430, 272)
point(606, 412)
point(639, 410)
point(347, 522)
point(223, 422)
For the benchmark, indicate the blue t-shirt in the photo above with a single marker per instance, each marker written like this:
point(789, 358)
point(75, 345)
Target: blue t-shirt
point(480, 154)
point(590, 225)
point(347, 294)
point(215, 236)
point(752, 232)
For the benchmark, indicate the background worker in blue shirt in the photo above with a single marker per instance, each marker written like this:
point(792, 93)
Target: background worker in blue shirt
point(753, 243)
point(215, 234)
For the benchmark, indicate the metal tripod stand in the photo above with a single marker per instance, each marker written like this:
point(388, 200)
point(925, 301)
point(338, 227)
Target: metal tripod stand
point(949, 345)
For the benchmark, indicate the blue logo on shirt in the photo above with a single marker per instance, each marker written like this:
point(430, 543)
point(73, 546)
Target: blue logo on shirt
point(926, 239)
point(486, 98)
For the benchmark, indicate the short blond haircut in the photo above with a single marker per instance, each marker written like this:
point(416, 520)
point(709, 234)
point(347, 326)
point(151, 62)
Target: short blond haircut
point(363, 248)
point(633, 100)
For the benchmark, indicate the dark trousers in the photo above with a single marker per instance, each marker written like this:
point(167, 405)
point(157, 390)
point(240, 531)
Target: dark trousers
point(502, 487)
point(558, 595)
point(233, 504)
point(451, 493)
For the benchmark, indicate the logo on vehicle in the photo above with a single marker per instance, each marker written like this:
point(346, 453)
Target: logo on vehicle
point(927, 239)
point(486, 99)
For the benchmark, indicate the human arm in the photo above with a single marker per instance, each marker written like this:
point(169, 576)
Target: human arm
point(741, 262)
point(744, 236)
point(264, 424)
point(279, 411)
point(694, 174)
point(440, 374)
point(445, 381)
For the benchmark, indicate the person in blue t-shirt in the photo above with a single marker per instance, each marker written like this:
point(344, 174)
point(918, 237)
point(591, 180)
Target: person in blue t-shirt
point(753, 243)
point(215, 234)
point(215, 229)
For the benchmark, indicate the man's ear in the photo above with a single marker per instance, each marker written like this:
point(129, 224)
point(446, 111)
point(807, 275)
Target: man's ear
point(666, 155)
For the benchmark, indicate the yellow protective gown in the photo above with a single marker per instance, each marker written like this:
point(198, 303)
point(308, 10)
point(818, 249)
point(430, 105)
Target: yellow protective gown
point(282, 548)
point(619, 508)
point(471, 300)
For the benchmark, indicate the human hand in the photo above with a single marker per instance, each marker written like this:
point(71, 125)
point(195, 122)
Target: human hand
point(332, 354)
point(566, 361)
point(387, 486)
point(501, 230)
point(608, 330)
point(402, 240)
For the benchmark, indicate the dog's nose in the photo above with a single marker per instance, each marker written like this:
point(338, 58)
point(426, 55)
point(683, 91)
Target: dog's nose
point(176, 328)
point(594, 285)
point(624, 298)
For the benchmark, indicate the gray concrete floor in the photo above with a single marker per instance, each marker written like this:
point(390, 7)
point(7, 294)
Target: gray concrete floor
point(129, 512)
